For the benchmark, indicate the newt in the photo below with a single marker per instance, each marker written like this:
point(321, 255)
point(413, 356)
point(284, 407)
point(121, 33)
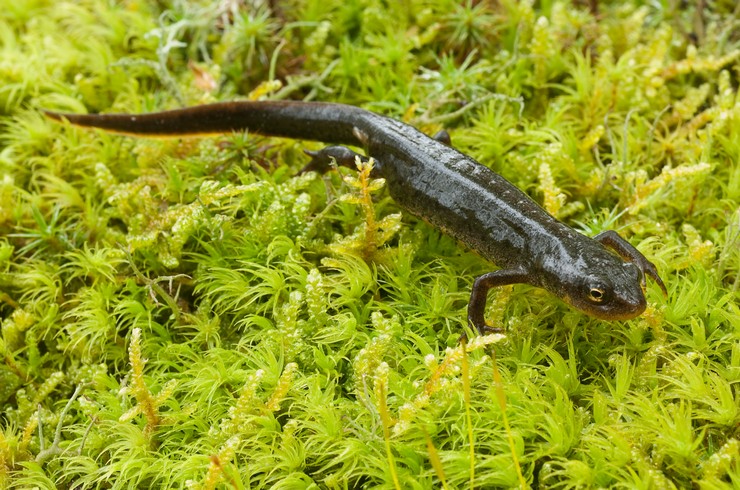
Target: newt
point(603, 276)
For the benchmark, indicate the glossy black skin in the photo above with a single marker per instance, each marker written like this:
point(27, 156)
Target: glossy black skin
point(444, 187)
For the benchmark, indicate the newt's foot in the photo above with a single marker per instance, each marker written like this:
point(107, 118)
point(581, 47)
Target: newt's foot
point(627, 251)
point(443, 137)
point(321, 160)
point(483, 328)
point(487, 330)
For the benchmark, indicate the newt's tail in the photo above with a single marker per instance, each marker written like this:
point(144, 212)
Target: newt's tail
point(330, 123)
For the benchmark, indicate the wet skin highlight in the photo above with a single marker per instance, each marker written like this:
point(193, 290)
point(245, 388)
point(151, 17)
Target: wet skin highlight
point(602, 276)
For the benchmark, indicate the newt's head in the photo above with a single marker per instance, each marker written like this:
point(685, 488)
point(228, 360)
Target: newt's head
point(615, 293)
point(597, 282)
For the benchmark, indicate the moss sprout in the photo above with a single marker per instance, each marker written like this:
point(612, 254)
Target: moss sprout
point(369, 240)
point(147, 404)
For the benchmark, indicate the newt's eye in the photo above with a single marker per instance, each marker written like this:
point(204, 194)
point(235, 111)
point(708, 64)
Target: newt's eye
point(596, 294)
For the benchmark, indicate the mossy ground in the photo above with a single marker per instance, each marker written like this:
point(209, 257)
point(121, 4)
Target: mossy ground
point(194, 313)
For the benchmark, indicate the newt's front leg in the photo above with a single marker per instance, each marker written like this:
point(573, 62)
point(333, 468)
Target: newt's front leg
point(627, 251)
point(479, 295)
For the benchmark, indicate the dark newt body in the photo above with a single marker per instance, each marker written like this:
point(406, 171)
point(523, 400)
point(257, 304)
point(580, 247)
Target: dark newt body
point(443, 186)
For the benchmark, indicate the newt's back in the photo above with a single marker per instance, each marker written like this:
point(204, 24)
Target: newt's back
point(455, 193)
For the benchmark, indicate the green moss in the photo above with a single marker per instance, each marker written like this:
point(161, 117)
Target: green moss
point(294, 330)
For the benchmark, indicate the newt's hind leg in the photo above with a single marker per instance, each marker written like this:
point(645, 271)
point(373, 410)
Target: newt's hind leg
point(321, 160)
point(443, 137)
